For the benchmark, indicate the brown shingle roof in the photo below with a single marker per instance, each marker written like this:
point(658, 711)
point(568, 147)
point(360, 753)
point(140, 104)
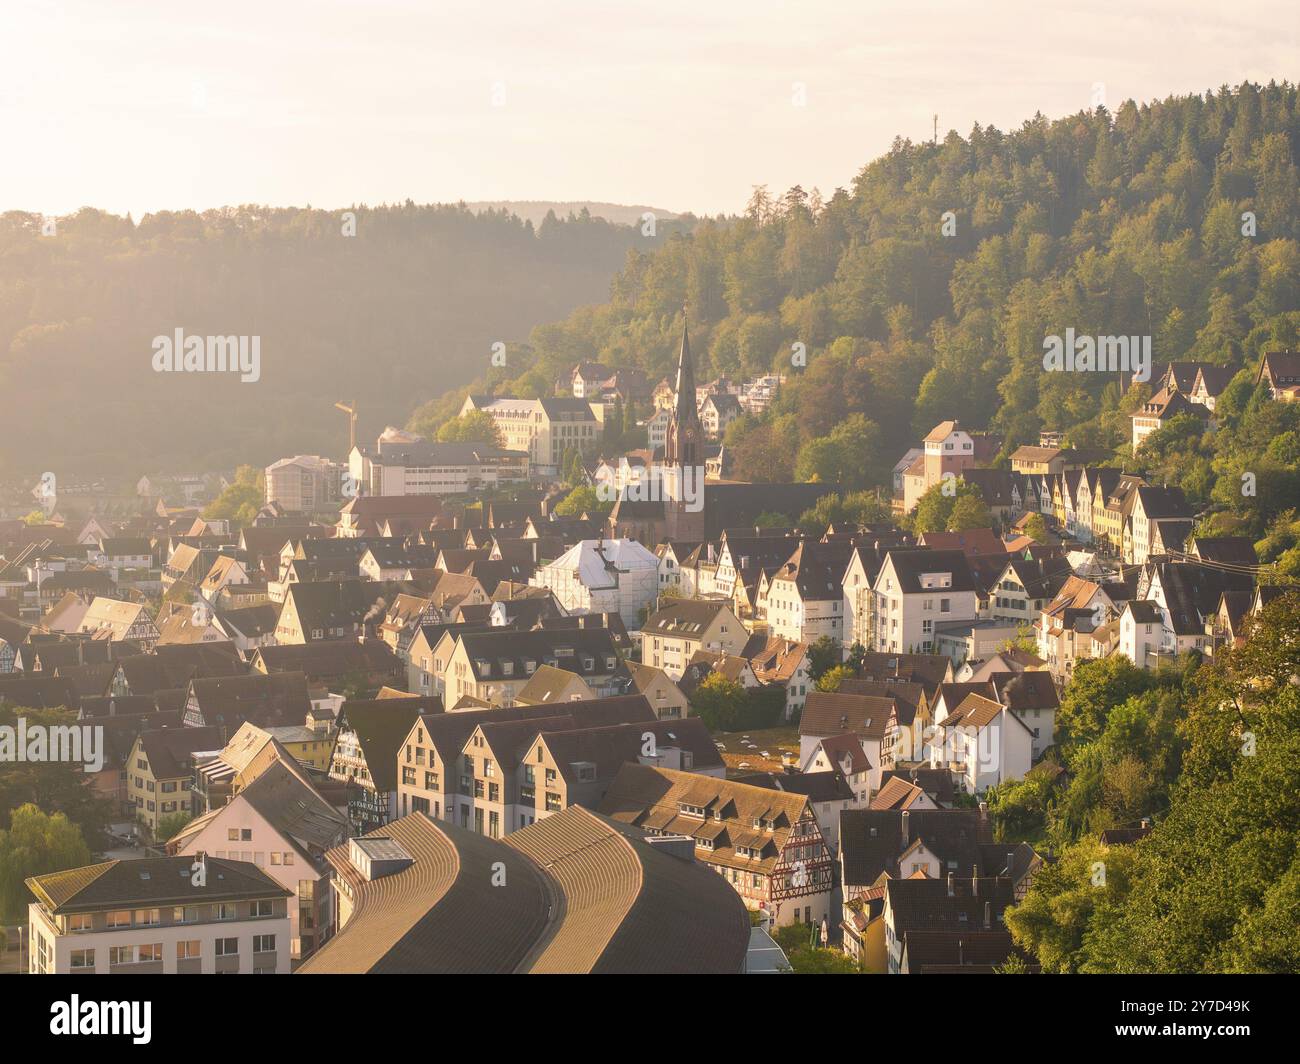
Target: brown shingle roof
point(641, 795)
point(826, 713)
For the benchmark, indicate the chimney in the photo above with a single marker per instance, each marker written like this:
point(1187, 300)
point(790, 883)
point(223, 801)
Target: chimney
point(1011, 861)
point(952, 892)
point(984, 813)
point(974, 881)
point(907, 838)
point(988, 915)
point(1146, 823)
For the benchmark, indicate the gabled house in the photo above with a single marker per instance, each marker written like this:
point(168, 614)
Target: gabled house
point(550, 685)
point(767, 844)
point(672, 635)
point(952, 904)
point(1152, 507)
point(784, 662)
point(227, 702)
point(1159, 410)
point(370, 737)
point(114, 619)
point(282, 824)
point(160, 772)
point(805, 594)
point(1279, 371)
point(658, 688)
point(444, 773)
point(494, 665)
point(982, 743)
point(331, 609)
point(833, 715)
point(916, 589)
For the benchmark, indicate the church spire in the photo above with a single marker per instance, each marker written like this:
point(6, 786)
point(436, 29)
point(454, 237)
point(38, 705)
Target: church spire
point(685, 408)
point(684, 431)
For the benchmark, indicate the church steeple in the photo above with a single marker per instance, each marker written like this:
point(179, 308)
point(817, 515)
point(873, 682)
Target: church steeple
point(684, 431)
point(682, 476)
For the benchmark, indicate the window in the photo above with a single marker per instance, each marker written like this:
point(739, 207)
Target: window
point(265, 907)
point(147, 917)
point(151, 951)
point(79, 922)
point(227, 947)
point(82, 958)
point(119, 918)
point(226, 910)
point(232, 834)
point(187, 950)
point(263, 943)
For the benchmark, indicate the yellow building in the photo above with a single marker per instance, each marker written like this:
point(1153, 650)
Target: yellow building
point(160, 772)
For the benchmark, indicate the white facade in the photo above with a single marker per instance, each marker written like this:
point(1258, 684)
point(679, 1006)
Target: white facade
point(603, 576)
point(905, 621)
point(261, 843)
point(53, 953)
point(982, 757)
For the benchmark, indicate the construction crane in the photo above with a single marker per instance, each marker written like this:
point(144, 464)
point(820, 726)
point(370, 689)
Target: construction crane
point(351, 410)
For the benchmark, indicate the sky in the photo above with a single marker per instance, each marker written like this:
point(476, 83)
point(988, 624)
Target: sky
point(141, 105)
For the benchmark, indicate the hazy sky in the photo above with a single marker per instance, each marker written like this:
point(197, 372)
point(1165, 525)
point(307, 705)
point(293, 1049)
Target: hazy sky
point(142, 104)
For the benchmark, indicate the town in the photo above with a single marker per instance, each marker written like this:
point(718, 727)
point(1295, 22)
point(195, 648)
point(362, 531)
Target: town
point(655, 490)
point(413, 692)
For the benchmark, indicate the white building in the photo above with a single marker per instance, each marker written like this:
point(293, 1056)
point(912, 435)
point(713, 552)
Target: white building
point(282, 824)
point(602, 576)
point(657, 429)
point(305, 483)
point(162, 916)
point(1143, 637)
point(982, 743)
point(805, 598)
point(916, 590)
point(419, 467)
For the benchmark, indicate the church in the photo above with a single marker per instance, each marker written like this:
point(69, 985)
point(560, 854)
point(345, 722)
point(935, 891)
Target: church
point(685, 508)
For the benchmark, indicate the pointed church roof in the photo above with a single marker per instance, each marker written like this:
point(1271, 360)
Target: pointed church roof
point(685, 379)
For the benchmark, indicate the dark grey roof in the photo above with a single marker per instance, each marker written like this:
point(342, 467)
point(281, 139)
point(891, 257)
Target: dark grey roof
point(910, 564)
point(872, 840)
point(154, 881)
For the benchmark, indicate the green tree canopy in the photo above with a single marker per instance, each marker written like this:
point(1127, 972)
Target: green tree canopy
point(35, 843)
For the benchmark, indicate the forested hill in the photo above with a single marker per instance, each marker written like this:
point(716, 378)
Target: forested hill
point(1113, 224)
point(537, 210)
point(404, 309)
